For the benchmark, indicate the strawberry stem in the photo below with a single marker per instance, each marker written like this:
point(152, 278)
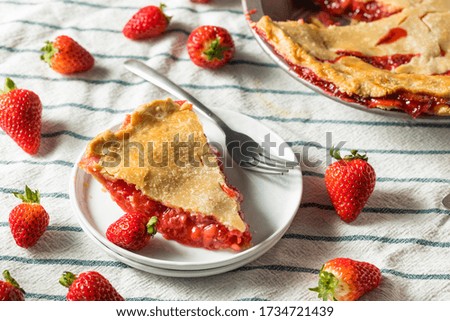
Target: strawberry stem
point(9, 279)
point(9, 85)
point(48, 52)
point(335, 153)
point(327, 286)
point(162, 6)
point(151, 225)
point(33, 197)
point(215, 50)
point(67, 279)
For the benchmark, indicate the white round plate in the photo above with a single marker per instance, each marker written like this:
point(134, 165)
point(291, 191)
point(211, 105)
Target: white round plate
point(270, 204)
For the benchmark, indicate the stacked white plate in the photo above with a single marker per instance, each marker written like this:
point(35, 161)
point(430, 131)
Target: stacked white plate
point(270, 204)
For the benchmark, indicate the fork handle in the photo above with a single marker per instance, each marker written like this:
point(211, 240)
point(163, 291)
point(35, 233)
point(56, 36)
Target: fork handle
point(143, 70)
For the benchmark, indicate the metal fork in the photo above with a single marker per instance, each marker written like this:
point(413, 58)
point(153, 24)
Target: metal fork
point(244, 150)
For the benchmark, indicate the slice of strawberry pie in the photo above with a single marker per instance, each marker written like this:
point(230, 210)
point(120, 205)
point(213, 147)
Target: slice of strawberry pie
point(159, 163)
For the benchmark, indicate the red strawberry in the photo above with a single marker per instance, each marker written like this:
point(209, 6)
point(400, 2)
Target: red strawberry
point(344, 279)
point(210, 47)
point(132, 231)
point(350, 181)
point(66, 56)
point(148, 22)
point(29, 220)
point(20, 116)
point(89, 286)
point(10, 290)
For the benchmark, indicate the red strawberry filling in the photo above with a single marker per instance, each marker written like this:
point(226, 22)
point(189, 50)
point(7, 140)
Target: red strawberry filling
point(383, 62)
point(191, 229)
point(358, 10)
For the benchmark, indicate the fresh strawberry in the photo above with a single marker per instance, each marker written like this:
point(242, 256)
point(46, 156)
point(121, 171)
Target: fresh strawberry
point(29, 220)
point(66, 56)
point(148, 22)
point(132, 231)
point(20, 116)
point(10, 289)
point(350, 181)
point(89, 286)
point(343, 279)
point(210, 47)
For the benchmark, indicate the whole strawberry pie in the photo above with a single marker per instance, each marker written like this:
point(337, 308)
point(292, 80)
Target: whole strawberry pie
point(387, 54)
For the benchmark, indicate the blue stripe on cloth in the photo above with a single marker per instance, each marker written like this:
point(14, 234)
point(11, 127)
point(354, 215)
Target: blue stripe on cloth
point(410, 123)
point(60, 133)
point(116, 31)
point(40, 163)
point(89, 108)
point(373, 151)
point(57, 228)
point(280, 268)
point(383, 210)
point(48, 297)
point(285, 268)
point(167, 55)
point(126, 83)
point(53, 297)
point(250, 90)
point(71, 79)
point(101, 6)
point(307, 173)
point(373, 238)
point(78, 262)
point(6, 190)
point(68, 133)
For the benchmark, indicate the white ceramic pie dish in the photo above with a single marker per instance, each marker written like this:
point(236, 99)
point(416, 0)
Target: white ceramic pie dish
point(270, 204)
point(290, 9)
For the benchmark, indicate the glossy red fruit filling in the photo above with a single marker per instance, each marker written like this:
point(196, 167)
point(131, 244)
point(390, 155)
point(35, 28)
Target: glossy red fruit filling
point(358, 10)
point(392, 36)
point(382, 62)
point(174, 224)
point(415, 104)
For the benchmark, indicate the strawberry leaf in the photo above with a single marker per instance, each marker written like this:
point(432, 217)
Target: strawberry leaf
point(33, 197)
point(335, 153)
point(9, 85)
point(67, 279)
point(327, 286)
point(151, 225)
point(48, 52)
point(9, 279)
point(215, 50)
point(162, 6)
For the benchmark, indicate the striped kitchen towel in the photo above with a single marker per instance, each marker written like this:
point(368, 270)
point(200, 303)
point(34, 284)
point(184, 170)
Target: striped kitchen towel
point(404, 229)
